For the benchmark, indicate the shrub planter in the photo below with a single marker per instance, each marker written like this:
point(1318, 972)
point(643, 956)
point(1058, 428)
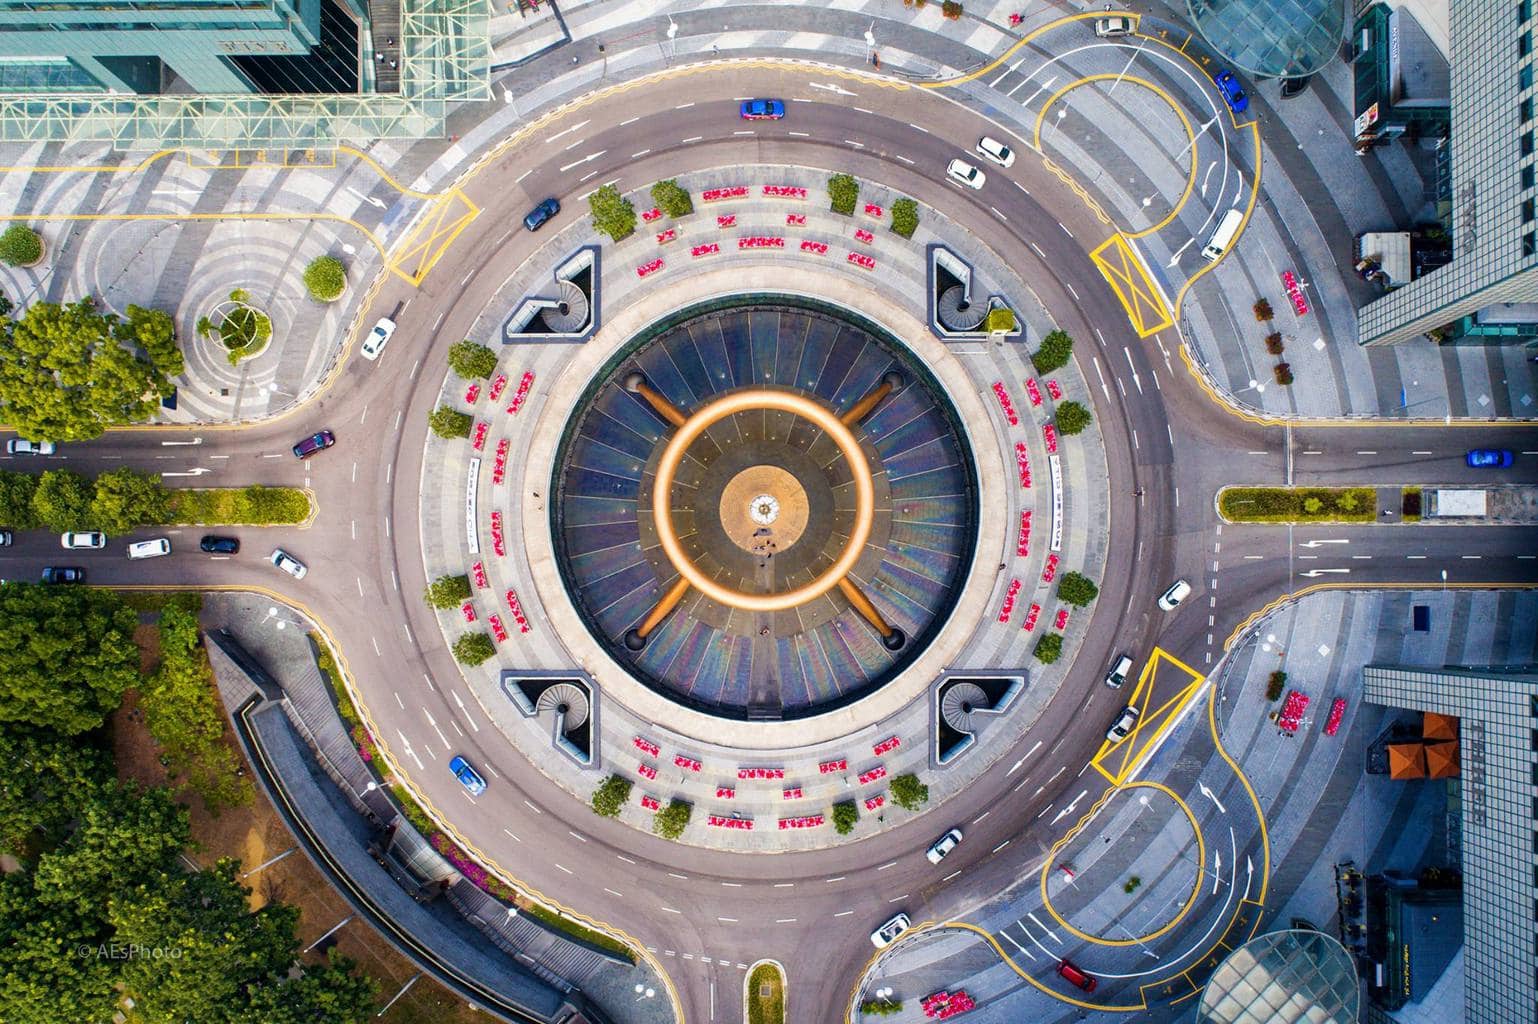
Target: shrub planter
point(764, 992)
point(242, 329)
point(1298, 504)
point(22, 247)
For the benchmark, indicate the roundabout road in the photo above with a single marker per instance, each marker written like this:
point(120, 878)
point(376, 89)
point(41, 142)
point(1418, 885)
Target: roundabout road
point(1164, 437)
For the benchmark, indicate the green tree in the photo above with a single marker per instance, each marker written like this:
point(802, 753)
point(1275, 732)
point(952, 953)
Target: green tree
point(448, 591)
point(125, 499)
point(450, 423)
point(908, 792)
point(610, 796)
point(672, 198)
point(473, 648)
point(65, 376)
point(325, 278)
point(845, 814)
point(1054, 353)
point(1312, 505)
point(471, 360)
point(20, 246)
point(905, 217)
point(671, 821)
point(69, 655)
point(843, 193)
point(613, 214)
point(333, 992)
point(154, 331)
point(1076, 589)
point(62, 501)
point(16, 490)
point(45, 781)
point(1049, 648)
point(1072, 417)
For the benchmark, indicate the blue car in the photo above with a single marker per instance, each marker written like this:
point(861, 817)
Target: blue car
point(544, 211)
point(1489, 458)
point(467, 776)
point(762, 110)
point(1233, 92)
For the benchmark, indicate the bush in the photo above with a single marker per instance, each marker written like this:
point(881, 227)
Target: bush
point(672, 198)
point(613, 214)
point(448, 591)
point(1131, 885)
point(20, 246)
point(1410, 503)
point(951, 9)
point(1275, 685)
point(1295, 504)
point(125, 499)
point(237, 506)
point(1000, 321)
point(1274, 343)
point(845, 814)
point(1072, 417)
point(16, 490)
point(905, 217)
point(843, 193)
point(1049, 648)
point(450, 423)
point(671, 821)
point(471, 360)
point(908, 792)
point(62, 501)
point(1076, 589)
point(610, 796)
point(1283, 373)
point(881, 1007)
point(325, 278)
point(1263, 310)
point(1312, 506)
point(1055, 351)
point(473, 648)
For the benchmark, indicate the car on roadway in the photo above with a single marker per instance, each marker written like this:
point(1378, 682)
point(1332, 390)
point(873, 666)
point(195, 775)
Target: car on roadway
point(1489, 458)
point(1118, 673)
point(317, 442)
point(219, 545)
point(1123, 724)
point(378, 338)
point(5, 538)
point(83, 540)
point(942, 846)
point(1171, 598)
point(966, 174)
point(1109, 28)
point(63, 574)
point(535, 218)
point(1070, 973)
point(996, 151)
point(1233, 92)
point(21, 446)
point(467, 776)
point(152, 548)
point(288, 563)
point(887, 934)
point(761, 110)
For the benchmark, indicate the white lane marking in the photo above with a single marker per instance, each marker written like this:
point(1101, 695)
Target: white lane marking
point(1072, 291)
point(670, 910)
point(694, 138)
point(577, 837)
point(568, 131)
point(856, 145)
point(611, 892)
point(981, 816)
point(636, 156)
point(1038, 250)
point(377, 651)
point(784, 920)
point(898, 899)
point(684, 106)
point(1065, 229)
point(999, 215)
point(784, 885)
point(519, 180)
point(531, 807)
point(360, 585)
point(1017, 945)
point(409, 638)
point(633, 120)
point(622, 857)
point(1001, 846)
point(837, 878)
point(917, 128)
point(675, 874)
point(800, 135)
point(748, 132)
point(888, 864)
point(843, 913)
point(732, 885)
point(513, 835)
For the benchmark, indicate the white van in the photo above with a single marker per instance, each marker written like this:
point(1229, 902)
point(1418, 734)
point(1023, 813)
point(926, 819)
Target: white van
point(150, 548)
point(1223, 237)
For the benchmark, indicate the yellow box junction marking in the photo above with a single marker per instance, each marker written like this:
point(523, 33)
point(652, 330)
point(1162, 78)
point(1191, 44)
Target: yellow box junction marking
point(434, 232)
point(1115, 761)
point(1128, 278)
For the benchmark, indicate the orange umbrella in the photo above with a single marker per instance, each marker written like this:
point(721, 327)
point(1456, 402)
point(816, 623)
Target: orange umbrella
point(1442, 760)
point(1439, 727)
point(1406, 761)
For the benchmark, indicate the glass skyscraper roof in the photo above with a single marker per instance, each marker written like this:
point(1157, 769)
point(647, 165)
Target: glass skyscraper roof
point(1276, 38)
point(1285, 977)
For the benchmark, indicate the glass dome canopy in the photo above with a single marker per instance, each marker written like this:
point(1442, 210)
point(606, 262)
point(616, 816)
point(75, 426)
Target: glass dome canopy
point(1294, 976)
point(1271, 38)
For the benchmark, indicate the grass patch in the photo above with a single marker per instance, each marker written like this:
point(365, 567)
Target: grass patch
point(766, 995)
point(1298, 504)
point(238, 506)
point(1410, 505)
point(155, 600)
point(579, 931)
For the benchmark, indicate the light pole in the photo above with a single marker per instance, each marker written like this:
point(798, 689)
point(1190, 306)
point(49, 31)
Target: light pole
point(672, 38)
point(368, 789)
point(281, 622)
point(1255, 386)
point(642, 992)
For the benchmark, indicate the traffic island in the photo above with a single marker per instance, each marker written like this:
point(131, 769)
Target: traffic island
point(1297, 504)
point(764, 1001)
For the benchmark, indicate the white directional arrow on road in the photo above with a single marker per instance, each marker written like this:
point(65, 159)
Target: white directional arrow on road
point(1314, 574)
point(367, 199)
point(1317, 543)
point(168, 444)
point(199, 471)
point(1176, 258)
point(1217, 870)
point(579, 163)
point(831, 87)
point(1210, 795)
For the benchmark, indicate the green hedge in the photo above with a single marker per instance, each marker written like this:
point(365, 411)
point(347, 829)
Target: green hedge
point(20, 246)
point(450, 423)
point(238, 506)
point(578, 930)
point(1049, 648)
point(905, 217)
point(671, 821)
point(447, 592)
point(610, 797)
point(1298, 504)
point(473, 648)
point(672, 199)
point(845, 814)
point(908, 792)
point(843, 193)
point(1055, 351)
point(1072, 417)
point(325, 278)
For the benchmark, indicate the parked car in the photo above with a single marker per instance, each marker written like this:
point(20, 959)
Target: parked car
point(1489, 458)
point(547, 208)
point(314, 443)
point(942, 846)
point(966, 174)
point(63, 574)
point(1171, 598)
point(21, 446)
point(887, 934)
point(83, 540)
point(1076, 977)
point(996, 151)
point(467, 776)
point(1233, 92)
point(150, 548)
point(762, 110)
point(378, 338)
point(1123, 724)
point(288, 563)
point(5, 538)
point(219, 545)
point(1118, 673)
point(1107, 28)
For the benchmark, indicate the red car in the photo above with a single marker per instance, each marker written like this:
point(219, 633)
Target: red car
point(1076, 977)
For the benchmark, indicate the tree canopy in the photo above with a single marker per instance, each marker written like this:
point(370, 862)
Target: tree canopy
point(61, 500)
point(1055, 351)
point(1077, 589)
point(470, 359)
point(613, 214)
point(125, 499)
point(1072, 417)
point(69, 655)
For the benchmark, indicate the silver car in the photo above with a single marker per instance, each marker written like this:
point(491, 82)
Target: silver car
point(1123, 724)
point(288, 563)
point(942, 846)
point(21, 446)
point(887, 934)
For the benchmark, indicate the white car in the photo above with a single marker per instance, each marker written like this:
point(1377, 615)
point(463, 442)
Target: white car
point(84, 540)
point(150, 548)
point(378, 338)
point(288, 563)
point(1123, 724)
point(1171, 598)
point(945, 844)
point(1107, 28)
point(966, 174)
point(20, 446)
point(996, 151)
point(884, 936)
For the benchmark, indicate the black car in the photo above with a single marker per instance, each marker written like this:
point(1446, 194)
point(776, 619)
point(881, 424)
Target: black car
point(314, 443)
point(63, 574)
point(544, 211)
point(220, 545)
